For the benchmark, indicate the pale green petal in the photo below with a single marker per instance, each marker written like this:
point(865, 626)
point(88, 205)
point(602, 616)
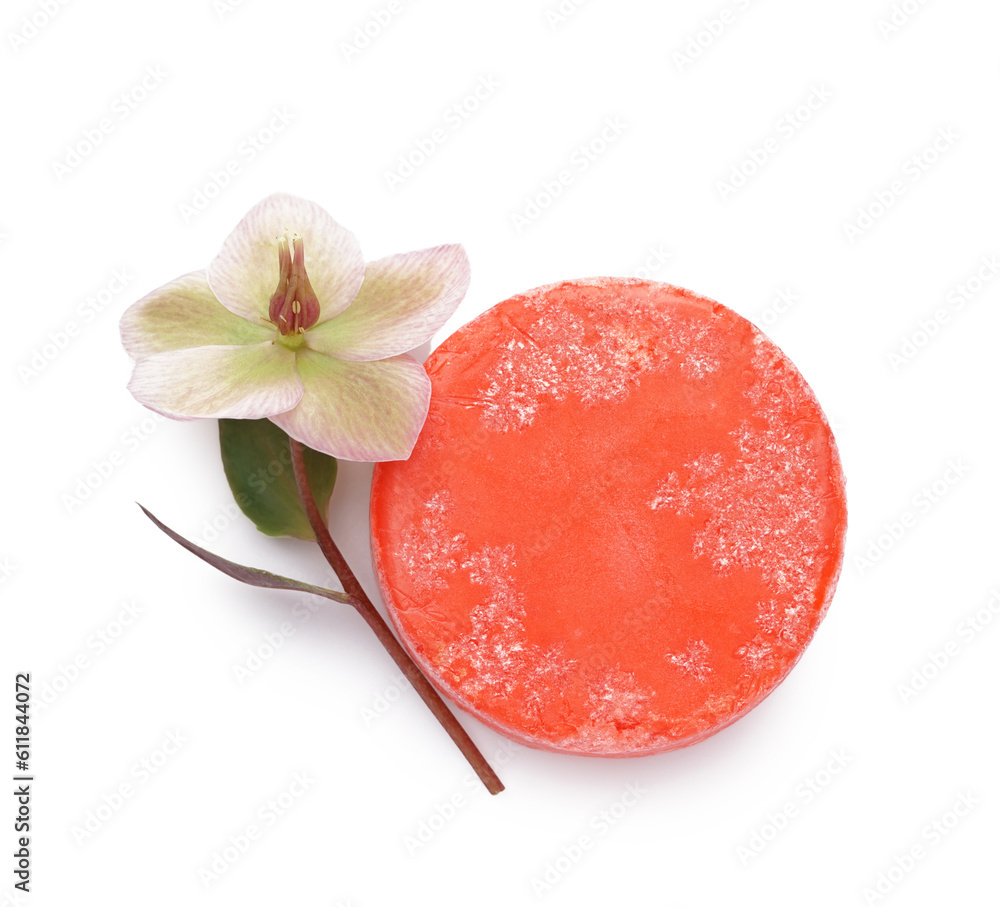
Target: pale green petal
point(244, 274)
point(359, 410)
point(403, 301)
point(184, 314)
point(219, 382)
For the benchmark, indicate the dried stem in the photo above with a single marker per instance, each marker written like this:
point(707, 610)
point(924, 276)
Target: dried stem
point(367, 610)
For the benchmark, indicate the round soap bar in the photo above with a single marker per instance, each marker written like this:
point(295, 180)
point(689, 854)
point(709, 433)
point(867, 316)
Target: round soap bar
point(622, 523)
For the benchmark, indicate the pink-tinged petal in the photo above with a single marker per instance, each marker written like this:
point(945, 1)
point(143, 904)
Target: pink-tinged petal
point(403, 301)
point(218, 382)
point(184, 314)
point(244, 275)
point(359, 410)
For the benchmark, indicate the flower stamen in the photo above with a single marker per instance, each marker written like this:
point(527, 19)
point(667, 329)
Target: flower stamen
point(294, 307)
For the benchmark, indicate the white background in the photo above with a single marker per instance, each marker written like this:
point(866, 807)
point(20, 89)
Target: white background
point(78, 451)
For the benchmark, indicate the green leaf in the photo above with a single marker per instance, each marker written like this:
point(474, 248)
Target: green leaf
point(258, 465)
point(252, 576)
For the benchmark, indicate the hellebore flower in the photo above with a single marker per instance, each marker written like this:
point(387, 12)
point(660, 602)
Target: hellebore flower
point(289, 323)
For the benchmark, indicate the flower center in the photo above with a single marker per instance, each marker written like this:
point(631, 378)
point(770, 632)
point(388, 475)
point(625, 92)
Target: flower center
point(294, 307)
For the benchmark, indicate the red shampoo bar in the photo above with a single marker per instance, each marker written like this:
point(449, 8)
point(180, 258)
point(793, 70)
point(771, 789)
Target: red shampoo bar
point(622, 523)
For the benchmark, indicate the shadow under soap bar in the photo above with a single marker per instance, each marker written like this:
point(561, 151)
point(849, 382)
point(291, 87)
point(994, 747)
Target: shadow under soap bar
point(622, 523)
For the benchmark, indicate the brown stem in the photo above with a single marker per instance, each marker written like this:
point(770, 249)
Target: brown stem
point(367, 610)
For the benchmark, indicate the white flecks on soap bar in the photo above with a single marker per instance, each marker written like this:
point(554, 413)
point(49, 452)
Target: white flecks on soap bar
point(429, 550)
point(595, 358)
point(693, 660)
point(497, 661)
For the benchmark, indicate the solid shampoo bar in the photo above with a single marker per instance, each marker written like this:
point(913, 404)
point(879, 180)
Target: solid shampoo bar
point(622, 523)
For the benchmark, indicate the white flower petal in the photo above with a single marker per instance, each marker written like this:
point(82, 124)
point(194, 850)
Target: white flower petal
point(219, 382)
point(359, 410)
point(184, 314)
point(403, 301)
point(244, 274)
